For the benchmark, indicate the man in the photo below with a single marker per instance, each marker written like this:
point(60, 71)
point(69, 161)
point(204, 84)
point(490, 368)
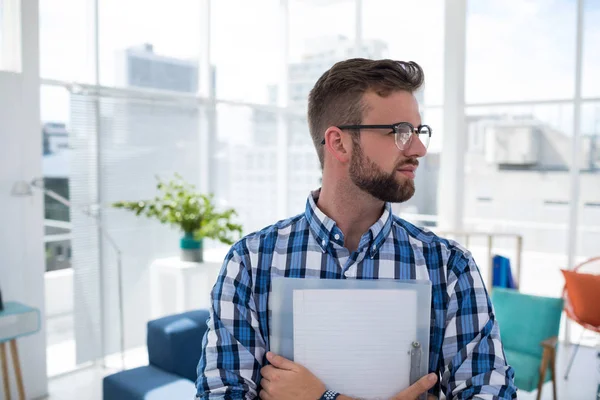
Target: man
point(365, 124)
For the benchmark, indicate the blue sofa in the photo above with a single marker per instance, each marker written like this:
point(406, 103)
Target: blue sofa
point(174, 347)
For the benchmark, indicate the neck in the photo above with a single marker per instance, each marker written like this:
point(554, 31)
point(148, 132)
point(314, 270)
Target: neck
point(353, 210)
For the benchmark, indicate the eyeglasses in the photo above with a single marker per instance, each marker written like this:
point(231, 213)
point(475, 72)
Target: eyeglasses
point(403, 132)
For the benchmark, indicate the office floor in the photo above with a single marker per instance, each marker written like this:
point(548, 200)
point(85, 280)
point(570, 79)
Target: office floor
point(582, 384)
point(86, 384)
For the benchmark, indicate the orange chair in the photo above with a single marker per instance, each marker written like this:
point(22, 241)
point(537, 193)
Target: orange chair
point(581, 296)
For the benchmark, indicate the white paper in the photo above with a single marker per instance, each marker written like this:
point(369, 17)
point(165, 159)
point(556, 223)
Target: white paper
point(357, 342)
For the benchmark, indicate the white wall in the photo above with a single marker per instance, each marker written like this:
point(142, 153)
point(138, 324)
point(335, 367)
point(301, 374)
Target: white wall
point(21, 235)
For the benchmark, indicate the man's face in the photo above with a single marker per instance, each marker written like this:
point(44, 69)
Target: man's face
point(378, 166)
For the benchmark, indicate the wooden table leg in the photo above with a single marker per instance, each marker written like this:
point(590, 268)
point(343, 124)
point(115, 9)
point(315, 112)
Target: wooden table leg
point(553, 371)
point(4, 370)
point(17, 365)
point(543, 369)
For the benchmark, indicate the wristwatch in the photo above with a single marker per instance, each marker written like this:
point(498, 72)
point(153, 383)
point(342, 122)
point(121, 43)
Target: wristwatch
point(329, 395)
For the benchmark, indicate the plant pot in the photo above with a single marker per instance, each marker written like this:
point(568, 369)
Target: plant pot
point(191, 249)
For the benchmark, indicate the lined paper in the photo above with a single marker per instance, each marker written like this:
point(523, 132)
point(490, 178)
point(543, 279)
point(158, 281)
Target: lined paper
point(357, 342)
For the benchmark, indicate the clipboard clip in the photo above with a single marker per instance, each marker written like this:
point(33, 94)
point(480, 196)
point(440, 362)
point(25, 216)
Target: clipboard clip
point(416, 353)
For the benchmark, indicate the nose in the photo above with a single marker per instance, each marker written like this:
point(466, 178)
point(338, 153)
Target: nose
point(415, 148)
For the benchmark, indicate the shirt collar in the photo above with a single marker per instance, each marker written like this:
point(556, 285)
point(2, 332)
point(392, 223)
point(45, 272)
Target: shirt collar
point(325, 230)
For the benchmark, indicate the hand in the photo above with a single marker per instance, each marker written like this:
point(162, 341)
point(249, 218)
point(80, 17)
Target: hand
point(284, 379)
point(421, 386)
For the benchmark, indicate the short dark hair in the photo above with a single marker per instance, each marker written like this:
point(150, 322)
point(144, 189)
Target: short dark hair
point(336, 97)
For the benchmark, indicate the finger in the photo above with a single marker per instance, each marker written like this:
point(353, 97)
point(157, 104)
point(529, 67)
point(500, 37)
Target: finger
point(267, 372)
point(265, 395)
point(280, 362)
point(420, 386)
point(266, 384)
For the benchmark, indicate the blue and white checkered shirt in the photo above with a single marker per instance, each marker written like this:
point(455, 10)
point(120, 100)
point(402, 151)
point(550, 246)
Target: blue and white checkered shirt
point(465, 347)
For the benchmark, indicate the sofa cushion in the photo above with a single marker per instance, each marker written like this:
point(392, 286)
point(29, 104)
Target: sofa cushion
point(175, 342)
point(526, 320)
point(527, 370)
point(146, 383)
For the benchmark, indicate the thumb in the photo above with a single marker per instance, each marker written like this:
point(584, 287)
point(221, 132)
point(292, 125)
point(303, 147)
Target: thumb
point(280, 362)
point(417, 388)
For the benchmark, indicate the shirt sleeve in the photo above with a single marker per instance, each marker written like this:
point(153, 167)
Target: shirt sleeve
point(474, 364)
point(233, 347)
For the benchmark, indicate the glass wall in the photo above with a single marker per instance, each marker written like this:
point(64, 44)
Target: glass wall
point(591, 57)
point(67, 40)
point(246, 49)
point(146, 45)
point(589, 196)
point(520, 51)
point(246, 164)
point(517, 182)
point(588, 212)
point(588, 234)
point(411, 31)
point(2, 34)
point(56, 153)
point(133, 112)
point(521, 115)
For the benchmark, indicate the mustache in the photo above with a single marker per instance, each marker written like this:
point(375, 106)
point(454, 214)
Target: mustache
point(412, 161)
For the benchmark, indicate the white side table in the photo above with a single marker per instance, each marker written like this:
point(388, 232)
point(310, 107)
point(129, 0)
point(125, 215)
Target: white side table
point(177, 286)
point(16, 320)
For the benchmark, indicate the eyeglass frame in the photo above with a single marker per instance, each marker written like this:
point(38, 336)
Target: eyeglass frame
point(394, 127)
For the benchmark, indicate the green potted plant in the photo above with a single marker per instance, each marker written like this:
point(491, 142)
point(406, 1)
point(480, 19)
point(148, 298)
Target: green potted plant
point(180, 205)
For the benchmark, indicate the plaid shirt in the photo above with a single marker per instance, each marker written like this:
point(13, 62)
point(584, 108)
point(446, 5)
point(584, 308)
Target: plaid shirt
point(465, 347)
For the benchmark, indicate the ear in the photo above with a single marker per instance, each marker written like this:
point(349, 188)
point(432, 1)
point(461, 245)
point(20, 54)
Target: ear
point(338, 144)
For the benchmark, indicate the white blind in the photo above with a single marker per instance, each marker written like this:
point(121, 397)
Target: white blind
point(85, 261)
point(116, 159)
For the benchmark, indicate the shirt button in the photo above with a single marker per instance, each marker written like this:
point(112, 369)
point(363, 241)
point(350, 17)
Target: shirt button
point(337, 237)
point(374, 247)
point(323, 242)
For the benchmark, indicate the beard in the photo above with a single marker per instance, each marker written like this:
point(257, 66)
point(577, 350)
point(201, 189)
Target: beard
point(369, 177)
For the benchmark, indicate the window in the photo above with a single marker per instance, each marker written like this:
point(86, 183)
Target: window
point(417, 34)
point(67, 40)
point(1, 28)
point(501, 66)
point(316, 43)
point(145, 44)
point(589, 179)
point(245, 163)
point(54, 132)
point(96, 146)
point(523, 167)
point(591, 57)
point(253, 29)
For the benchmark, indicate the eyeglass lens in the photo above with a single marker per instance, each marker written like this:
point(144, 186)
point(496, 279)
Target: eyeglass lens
point(404, 135)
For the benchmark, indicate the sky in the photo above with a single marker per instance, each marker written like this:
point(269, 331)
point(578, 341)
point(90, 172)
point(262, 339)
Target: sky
point(516, 49)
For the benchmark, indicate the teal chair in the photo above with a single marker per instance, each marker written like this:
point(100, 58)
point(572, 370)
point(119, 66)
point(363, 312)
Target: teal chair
point(529, 330)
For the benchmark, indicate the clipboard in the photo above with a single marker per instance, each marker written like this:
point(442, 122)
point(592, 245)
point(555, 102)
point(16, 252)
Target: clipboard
point(304, 302)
